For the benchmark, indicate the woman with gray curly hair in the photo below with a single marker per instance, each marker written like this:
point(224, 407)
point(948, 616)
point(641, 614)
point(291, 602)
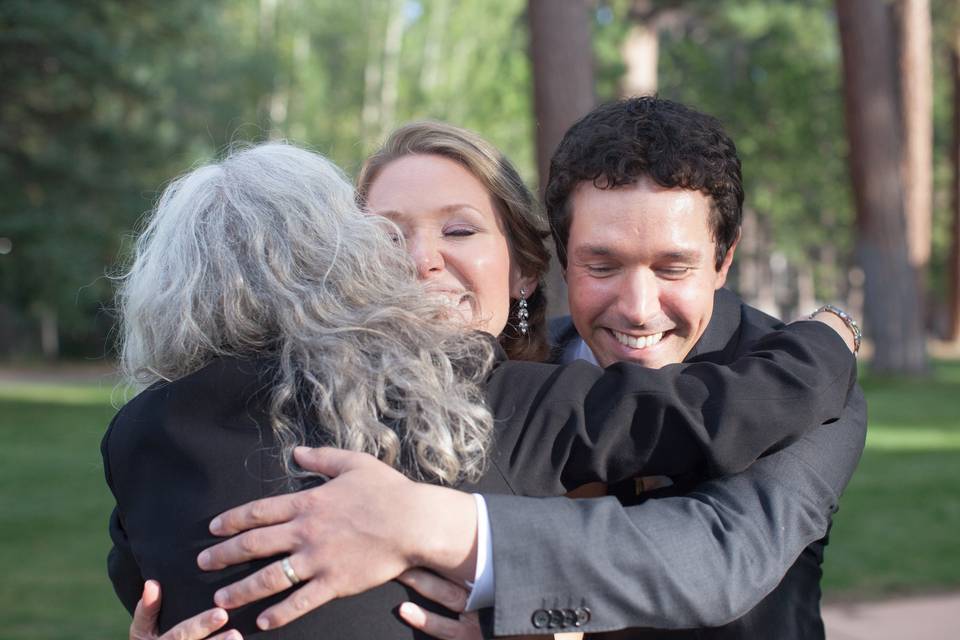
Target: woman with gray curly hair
point(265, 311)
point(266, 253)
point(262, 310)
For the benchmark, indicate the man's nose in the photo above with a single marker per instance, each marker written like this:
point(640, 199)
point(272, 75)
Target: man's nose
point(639, 298)
point(426, 254)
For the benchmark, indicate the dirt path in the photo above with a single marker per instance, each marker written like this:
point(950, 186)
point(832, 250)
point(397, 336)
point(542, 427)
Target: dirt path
point(933, 617)
point(79, 373)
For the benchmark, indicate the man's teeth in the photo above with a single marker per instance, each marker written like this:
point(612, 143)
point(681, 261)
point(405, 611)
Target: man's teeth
point(638, 343)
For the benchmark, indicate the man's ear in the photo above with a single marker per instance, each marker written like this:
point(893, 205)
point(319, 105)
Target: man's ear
point(727, 261)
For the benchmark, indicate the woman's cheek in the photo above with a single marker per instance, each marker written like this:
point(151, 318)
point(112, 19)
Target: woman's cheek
point(491, 283)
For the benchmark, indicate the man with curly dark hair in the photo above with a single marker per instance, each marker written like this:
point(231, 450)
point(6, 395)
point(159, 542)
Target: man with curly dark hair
point(645, 201)
point(654, 184)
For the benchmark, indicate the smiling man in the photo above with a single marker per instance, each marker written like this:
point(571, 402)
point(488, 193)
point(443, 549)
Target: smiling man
point(645, 198)
point(641, 271)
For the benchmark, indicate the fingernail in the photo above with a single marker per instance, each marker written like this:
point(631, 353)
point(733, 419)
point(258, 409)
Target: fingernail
point(203, 560)
point(411, 613)
point(220, 598)
point(263, 623)
point(300, 450)
point(215, 525)
point(219, 616)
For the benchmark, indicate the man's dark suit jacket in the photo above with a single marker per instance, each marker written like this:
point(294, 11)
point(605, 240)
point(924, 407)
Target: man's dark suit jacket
point(180, 453)
point(792, 609)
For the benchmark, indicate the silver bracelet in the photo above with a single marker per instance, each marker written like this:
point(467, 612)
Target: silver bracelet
point(847, 320)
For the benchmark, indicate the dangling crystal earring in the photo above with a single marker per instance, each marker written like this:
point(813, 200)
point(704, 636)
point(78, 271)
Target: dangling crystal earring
point(522, 314)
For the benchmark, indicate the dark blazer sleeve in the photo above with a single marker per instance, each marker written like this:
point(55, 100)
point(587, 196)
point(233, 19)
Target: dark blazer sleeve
point(121, 564)
point(175, 457)
point(609, 424)
point(698, 560)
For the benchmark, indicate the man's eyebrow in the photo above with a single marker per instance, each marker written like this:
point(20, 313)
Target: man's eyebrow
point(686, 255)
point(590, 250)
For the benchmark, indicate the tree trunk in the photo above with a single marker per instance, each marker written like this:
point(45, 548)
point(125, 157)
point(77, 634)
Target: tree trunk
point(892, 299)
point(755, 282)
point(268, 106)
point(49, 333)
point(830, 272)
point(391, 67)
point(640, 53)
point(561, 53)
point(916, 104)
point(953, 269)
point(806, 292)
point(372, 82)
point(433, 47)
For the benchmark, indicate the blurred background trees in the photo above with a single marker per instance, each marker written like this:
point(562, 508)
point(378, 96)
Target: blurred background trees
point(103, 101)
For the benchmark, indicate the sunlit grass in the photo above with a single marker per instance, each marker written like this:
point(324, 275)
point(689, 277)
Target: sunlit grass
point(64, 394)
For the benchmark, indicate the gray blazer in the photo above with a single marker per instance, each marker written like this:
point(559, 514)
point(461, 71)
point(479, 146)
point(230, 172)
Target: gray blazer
point(699, 560)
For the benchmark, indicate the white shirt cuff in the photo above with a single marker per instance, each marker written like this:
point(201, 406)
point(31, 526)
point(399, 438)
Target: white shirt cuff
point(481, 590)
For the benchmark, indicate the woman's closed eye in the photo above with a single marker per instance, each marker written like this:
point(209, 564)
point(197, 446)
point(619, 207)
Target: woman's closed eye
point(460, 231)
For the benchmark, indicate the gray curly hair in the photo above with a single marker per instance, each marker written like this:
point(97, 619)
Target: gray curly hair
point(266, 254)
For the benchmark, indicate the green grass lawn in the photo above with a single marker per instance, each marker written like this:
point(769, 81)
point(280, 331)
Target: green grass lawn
point(898, 529)
point(53, 515)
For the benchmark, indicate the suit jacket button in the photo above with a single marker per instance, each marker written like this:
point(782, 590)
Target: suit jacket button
point(583, 615)
point(569, 618)
point(556, 618)
point(540, 618)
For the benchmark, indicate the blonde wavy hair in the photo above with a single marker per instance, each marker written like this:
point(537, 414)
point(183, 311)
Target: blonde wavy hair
point(265, 253)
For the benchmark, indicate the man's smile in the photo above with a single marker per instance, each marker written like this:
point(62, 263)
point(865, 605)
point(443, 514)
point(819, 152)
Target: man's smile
point(637, 342)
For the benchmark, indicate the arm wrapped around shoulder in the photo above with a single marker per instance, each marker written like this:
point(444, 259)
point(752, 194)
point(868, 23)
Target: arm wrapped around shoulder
point(564, 426)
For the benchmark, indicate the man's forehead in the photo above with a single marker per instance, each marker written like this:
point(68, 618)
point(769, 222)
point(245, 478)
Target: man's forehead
point(600, 217)
point(646, 195)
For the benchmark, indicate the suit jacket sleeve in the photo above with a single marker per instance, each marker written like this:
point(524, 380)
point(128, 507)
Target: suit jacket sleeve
point(121, 564)
point(698, 560)
point(175, 457)
point(606, 425)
